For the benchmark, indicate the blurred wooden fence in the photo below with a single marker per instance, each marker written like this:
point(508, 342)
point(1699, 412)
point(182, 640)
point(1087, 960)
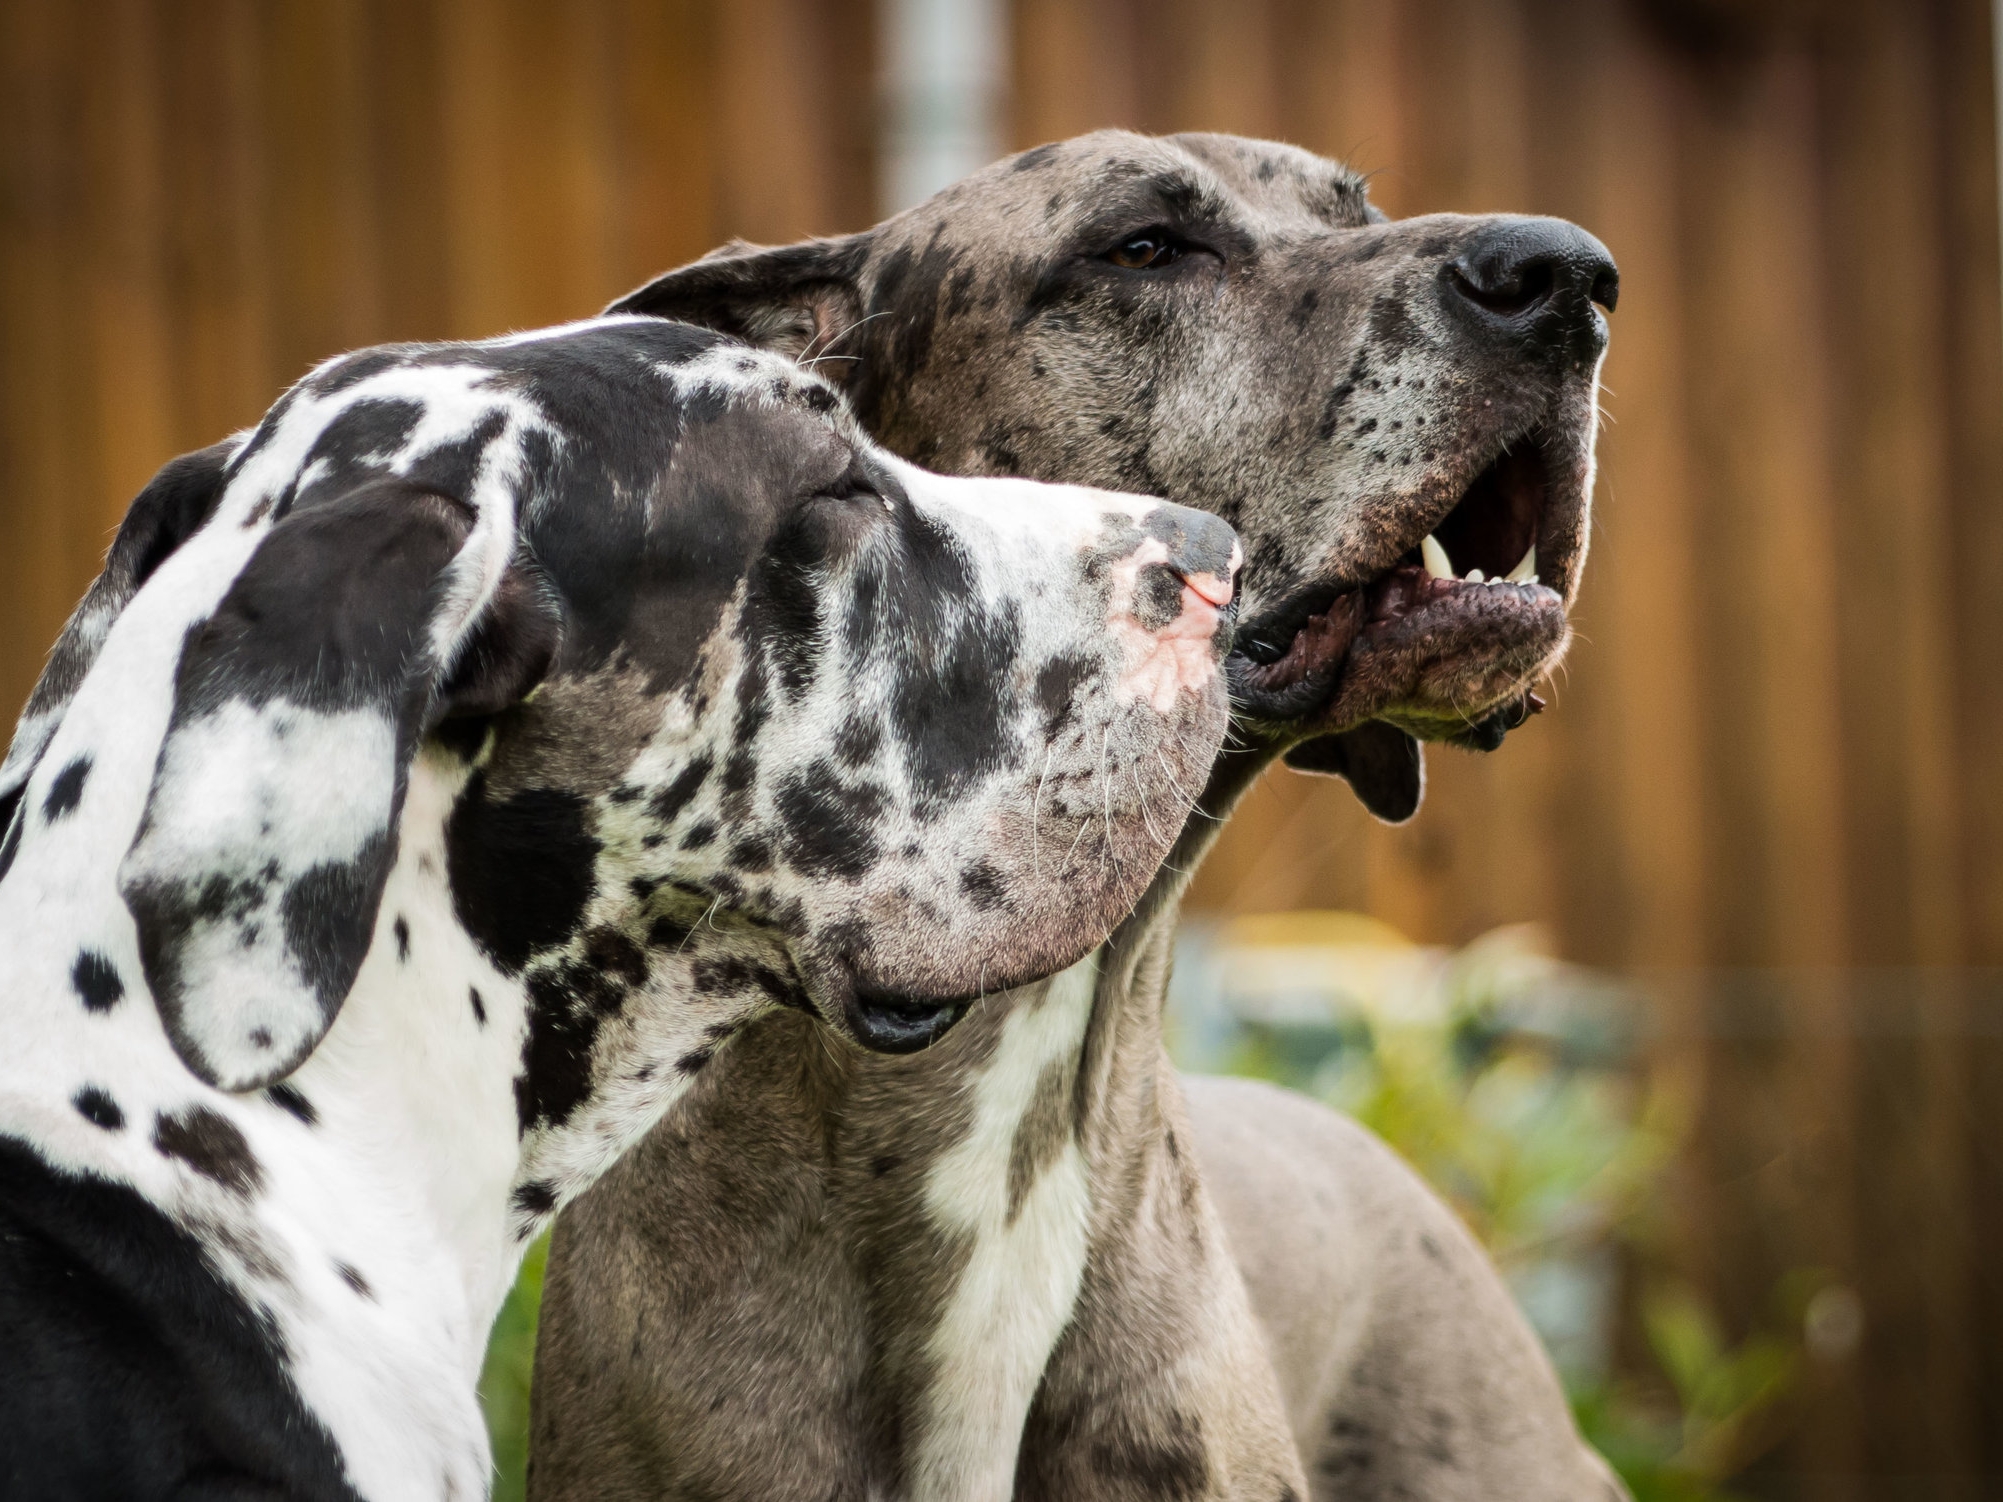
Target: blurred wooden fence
point(201, 198)
point(1774, 771)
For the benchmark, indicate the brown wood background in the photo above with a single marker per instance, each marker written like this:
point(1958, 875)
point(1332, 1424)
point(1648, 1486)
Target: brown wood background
point(1773, 775)
point(1773, 778)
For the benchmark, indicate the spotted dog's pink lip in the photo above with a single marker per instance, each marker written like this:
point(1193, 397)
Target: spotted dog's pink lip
point(1180, 658)
point(1210, 588)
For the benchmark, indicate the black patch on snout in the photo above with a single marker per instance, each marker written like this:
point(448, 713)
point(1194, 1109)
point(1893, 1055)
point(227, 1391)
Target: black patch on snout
point(1056, 686)
point(1157, 596)
point(984, 885)
point(828, 827)
point(66, 790)
point(99, 1109)
point(96, 980)
point(210, 1144)
point(522, 869)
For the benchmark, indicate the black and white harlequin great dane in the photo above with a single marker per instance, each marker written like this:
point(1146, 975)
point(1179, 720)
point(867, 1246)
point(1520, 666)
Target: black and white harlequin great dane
point(1036, 1262)
point(436, 779)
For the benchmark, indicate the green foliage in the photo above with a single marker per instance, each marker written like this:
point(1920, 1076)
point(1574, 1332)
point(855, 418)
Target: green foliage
point(504, 1378)
point(1517, 1086)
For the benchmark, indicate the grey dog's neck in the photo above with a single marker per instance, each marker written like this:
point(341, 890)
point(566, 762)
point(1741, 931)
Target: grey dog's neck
point(801, 1182)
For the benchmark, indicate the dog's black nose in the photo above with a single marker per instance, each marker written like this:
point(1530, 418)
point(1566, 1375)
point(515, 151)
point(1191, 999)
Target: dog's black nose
point(1536, 281)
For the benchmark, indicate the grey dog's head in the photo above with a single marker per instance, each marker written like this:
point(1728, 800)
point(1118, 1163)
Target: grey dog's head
point(1230, 323)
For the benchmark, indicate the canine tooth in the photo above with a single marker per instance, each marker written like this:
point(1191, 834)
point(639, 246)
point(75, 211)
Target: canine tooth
point(1526, 571)
point(1475, 576)
point(1435, 558)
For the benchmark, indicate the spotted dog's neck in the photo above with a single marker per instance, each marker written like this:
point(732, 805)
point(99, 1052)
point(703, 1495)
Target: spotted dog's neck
point(372, 1207)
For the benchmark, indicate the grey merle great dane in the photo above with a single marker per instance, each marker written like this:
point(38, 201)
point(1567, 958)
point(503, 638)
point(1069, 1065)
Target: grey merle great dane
point(432, 784)
point(1033, 1262)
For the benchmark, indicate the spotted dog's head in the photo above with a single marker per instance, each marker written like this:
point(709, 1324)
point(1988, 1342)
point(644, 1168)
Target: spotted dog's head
point(1398, 416)
point(710, 698)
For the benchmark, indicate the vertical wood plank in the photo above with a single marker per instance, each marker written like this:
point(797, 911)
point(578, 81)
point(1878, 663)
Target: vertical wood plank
point(1893, 552)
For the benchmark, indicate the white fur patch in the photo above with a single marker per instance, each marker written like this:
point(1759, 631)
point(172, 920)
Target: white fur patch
point(1016, 1293)
point(257, 796)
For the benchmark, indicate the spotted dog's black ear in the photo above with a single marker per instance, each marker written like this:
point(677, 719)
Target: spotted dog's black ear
point(1385, 766)
point(176, 503)
point(801, 300)
point(360, 622)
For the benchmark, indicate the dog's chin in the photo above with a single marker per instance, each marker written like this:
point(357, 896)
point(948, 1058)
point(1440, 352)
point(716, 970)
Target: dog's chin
point(1443, 638)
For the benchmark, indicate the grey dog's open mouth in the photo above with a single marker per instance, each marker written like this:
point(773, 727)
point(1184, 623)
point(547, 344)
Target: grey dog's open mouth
point(1462, 602)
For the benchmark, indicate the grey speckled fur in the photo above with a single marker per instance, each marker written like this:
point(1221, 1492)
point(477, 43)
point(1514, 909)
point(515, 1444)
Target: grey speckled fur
point(1193, 1289)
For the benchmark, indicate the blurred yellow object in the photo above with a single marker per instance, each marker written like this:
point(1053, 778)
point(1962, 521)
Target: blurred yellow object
point(1325, 927)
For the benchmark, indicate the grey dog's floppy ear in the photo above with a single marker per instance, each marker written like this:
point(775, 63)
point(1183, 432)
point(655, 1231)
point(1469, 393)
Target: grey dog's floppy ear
point(175, 504)
point(270, 828)
point(800, 300)
point(1385, 766)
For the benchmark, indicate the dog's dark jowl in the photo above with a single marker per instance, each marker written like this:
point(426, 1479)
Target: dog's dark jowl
point(1398, 416)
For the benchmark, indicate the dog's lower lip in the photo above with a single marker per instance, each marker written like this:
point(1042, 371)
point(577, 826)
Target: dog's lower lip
point(894, 1024)
point(1303, 679)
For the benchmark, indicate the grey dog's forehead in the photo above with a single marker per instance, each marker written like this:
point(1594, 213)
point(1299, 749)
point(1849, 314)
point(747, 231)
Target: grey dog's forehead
point(1101, 181)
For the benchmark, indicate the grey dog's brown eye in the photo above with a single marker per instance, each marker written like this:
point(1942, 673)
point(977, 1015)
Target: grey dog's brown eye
point(1147, 251)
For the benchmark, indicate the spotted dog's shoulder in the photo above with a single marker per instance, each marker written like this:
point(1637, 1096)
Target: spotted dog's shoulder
point(130, 1357)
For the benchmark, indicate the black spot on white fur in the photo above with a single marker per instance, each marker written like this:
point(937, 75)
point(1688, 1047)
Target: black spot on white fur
point(211, 1145)
point(353, 1278)
point(99, 1109)
point(97, 981)
point(479, 1006)
point(289, 1100)
point(521, 868)
point(401, 929)
point(66, 789)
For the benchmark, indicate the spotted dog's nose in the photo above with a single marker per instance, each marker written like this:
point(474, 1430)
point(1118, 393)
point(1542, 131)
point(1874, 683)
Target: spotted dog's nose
point(1183, 579)
point(1203, 552)
point(1536, 281)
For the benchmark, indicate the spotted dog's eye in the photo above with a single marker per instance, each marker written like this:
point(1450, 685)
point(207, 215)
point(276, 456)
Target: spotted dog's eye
point(1150, 250)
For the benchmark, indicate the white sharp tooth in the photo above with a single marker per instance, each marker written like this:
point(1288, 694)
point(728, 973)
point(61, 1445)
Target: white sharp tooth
point(1435, 558)
point(1526, 571)
point(1475, 576)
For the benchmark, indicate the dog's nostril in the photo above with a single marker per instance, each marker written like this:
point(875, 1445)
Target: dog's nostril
point(1518, 291)
point(1606, 288)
